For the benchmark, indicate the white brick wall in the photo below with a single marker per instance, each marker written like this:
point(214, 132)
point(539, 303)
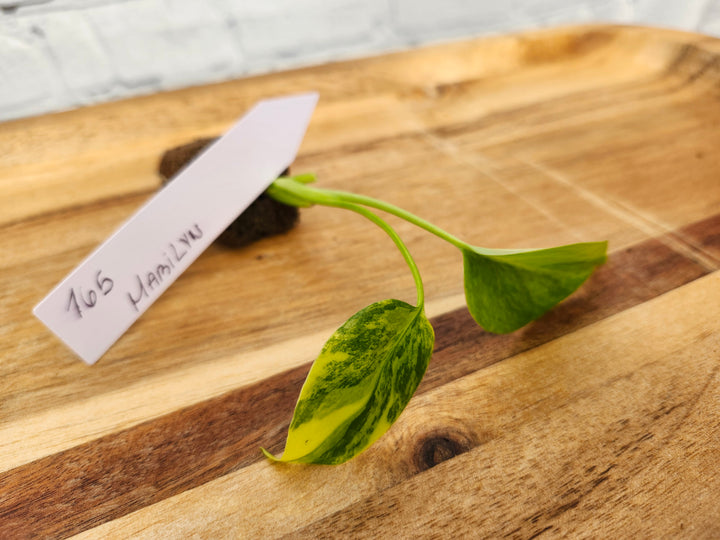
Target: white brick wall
point(59, 54)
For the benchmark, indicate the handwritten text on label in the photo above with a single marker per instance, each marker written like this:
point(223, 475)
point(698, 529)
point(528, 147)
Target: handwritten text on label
point(149, 280)
point(99, 300)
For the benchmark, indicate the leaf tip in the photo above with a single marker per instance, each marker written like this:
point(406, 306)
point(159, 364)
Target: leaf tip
point(271, 457)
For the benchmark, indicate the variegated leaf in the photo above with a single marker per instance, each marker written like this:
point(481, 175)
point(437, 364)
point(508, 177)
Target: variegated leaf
point(364, 377)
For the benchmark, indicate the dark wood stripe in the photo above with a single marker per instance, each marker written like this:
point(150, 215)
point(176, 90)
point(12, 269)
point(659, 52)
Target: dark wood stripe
point(704, 235)
point(107, 478)
point(85, 486)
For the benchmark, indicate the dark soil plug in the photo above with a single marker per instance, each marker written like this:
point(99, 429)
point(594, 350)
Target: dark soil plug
point(264, 217)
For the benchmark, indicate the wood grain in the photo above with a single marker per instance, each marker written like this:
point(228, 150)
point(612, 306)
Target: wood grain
point(574, 454)
point(131, 469)
point(562, 439)
point(600, 419)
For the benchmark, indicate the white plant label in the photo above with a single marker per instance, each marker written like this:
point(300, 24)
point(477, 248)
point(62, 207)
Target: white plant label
point(94, 305)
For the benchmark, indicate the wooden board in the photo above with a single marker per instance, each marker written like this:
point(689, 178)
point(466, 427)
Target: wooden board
point(602, 419)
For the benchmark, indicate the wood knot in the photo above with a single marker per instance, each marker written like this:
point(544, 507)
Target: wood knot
point(435, 448)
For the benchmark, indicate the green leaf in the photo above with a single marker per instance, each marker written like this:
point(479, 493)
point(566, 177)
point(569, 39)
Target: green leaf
point(505, 290)
point(364, 377)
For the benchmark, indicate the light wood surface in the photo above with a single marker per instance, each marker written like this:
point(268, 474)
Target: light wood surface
point(602, 419)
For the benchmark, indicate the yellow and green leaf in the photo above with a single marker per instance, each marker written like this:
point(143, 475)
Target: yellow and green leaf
point(362, 380)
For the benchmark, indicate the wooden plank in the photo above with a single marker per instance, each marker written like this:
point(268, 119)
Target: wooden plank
point(538, 139)
point(579, 436)
point(205, 441)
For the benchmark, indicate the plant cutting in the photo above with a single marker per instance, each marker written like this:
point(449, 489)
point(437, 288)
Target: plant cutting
point(371, 366)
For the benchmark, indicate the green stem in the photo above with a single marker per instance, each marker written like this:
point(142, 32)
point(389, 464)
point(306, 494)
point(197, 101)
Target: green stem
point(293, 191)
point(398, 242)
point(289, 190)
point(395, 238)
